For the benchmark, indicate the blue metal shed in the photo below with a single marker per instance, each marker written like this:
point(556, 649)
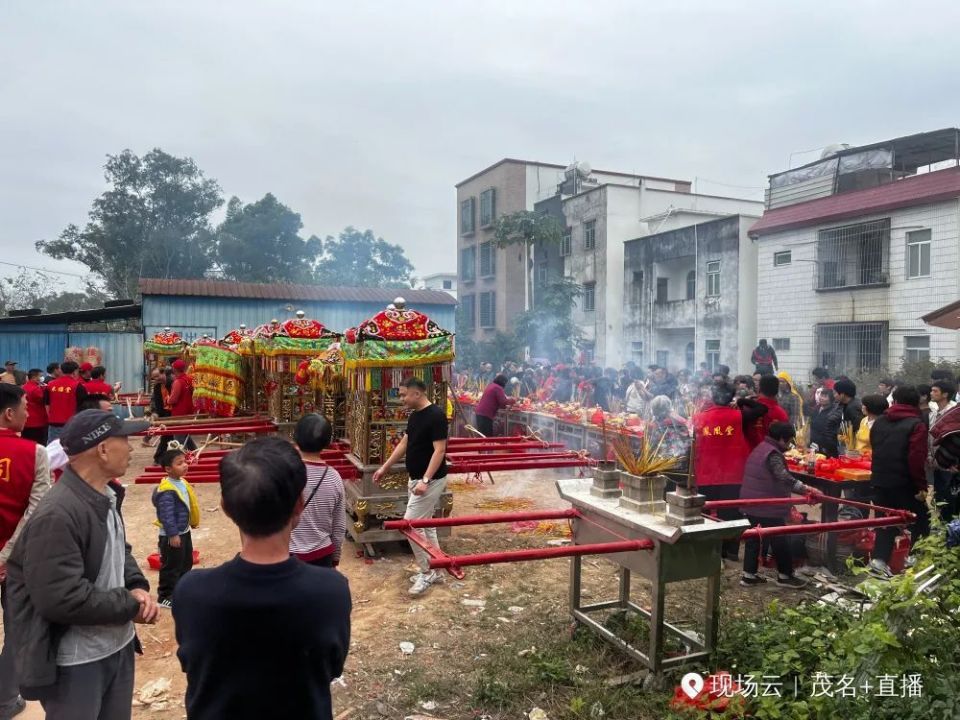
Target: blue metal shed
point(195, 307)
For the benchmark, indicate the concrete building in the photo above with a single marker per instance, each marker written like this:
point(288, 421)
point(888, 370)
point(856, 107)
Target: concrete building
point(440, 281)
point(689, 295)
point(854, 248)
point(492, 283)
point(599, 220)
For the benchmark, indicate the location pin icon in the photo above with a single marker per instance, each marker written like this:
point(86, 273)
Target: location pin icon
point(692, 684)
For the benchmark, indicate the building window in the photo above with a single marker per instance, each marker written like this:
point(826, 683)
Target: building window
point(711, 351)
point(853, 255)
point(636, 349)
point(588, 350)
point(663, 288)
point(918, 254)
point(781, 343)
point(488, 257)
point(468, 312)
point(488, 309)
point(542, 273)
point(850, 348)
point(589, 296)
point(566, 245)
point(663, 358)
point(782, 258)
point(467, 219)
point(468, 264)
point(713, 278)
point(689, 356)
point(448, 284)
point(590, 235)
point(637, 294)
point(691, 285)
point(487, 207)
point(916, 348)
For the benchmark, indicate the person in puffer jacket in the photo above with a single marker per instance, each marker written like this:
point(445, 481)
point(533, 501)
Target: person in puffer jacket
point(177, 512)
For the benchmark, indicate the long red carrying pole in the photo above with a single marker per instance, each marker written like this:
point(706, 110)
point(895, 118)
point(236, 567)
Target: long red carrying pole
point(808, 528)
point(488, 519)
point(454, 561)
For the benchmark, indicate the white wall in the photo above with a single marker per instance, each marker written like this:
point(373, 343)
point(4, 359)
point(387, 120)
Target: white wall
point(788, 305)
point(747, 289)
point(541, 183)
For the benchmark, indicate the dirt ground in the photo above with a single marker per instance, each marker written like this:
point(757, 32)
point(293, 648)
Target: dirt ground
point(450, 635)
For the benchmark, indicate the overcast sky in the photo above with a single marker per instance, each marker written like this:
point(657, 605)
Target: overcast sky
point(367, 113)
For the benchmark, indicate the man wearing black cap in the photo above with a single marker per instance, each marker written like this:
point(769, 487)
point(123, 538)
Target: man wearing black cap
point(75, 588)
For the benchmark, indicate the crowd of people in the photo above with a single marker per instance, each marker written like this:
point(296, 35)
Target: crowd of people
point(250, 639)
point(739, 428)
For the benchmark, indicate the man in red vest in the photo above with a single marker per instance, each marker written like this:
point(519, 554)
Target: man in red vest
point(769, 390)
point(24, 480)
point(85, 370)
point(36, 427)
point(62, 397)
point(721, 455)
point(97, 384)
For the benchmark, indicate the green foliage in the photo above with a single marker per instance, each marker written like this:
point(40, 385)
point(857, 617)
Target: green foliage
point(30, 289)
point(153, 221)
point(903, 633)
point(260, 242)
point(912, 373)
point(548, 329)
point(362, 259)
point(526, 227)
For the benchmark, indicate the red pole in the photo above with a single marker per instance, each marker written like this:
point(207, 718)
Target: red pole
point(762, 532)
point(805, 500)
point(455, 561)
point(488, 519)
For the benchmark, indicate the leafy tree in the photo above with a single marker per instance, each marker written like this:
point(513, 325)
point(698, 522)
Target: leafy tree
point(31, 289)
point(531, 230)
point(259, 242)
point(548, 329)
point(153, 221)
point(362, 259)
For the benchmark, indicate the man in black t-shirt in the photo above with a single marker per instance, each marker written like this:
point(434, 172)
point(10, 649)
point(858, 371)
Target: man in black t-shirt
point(424, 445)
point(263, 635)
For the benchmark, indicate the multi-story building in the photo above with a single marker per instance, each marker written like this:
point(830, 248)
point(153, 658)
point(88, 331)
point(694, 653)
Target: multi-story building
point(854, 248)
point(493, 287)
point(599, 221)
point(690, 295)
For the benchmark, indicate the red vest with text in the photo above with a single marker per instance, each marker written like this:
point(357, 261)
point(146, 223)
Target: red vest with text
point(721, 448)
point(63, 399)
point(97, 387)
point(184, 405)
point(38, 413)
point(18, 465)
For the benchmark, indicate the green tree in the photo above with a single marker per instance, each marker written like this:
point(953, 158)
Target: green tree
point(32, 289)
point(260, 242)
point(530, 230)
point(362, 259)
point(153, 221)
point(548, 329)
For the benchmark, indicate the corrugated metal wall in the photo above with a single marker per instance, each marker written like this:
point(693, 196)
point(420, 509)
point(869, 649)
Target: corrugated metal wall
point(122, 355)
point(33, 346)
point(38, 345)
point(217, 316)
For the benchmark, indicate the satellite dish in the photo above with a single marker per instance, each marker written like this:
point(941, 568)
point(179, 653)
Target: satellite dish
point(831, 150)
point(584, 169)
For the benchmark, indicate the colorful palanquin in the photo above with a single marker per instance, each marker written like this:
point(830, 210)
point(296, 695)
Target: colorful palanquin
point(276, 351)
point(218, 377)
point(324, 375)
point(379, 354)
point(164, 346)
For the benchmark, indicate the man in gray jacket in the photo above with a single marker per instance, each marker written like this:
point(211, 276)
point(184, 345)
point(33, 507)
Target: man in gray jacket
point(75, 588)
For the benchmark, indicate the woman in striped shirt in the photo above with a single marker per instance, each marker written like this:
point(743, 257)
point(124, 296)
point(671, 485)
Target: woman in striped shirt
point(318, 536)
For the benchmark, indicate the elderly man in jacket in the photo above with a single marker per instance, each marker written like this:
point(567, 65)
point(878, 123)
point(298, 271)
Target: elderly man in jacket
point(75, 588)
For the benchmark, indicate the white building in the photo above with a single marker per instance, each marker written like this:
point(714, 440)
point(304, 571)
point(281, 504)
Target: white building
point(690, 295)
point(440, 281)
point(853, 249)
point(599, 220)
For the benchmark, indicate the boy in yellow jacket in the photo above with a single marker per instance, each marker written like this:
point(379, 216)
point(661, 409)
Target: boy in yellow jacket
point(177, 512)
